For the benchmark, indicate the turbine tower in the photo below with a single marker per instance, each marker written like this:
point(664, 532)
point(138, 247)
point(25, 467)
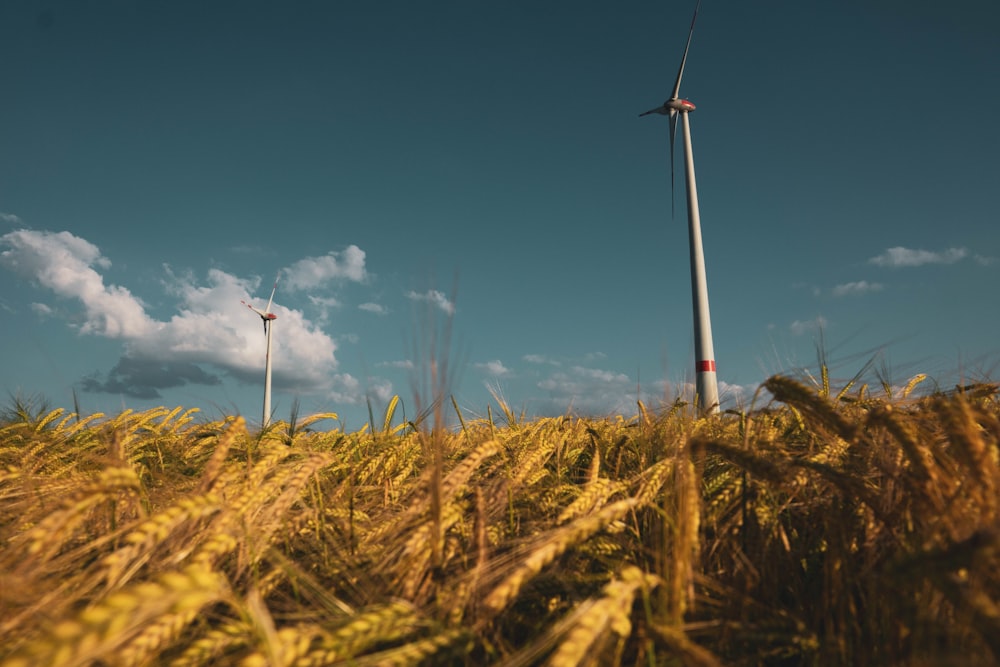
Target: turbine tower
point(268, 318)
point(706, 383)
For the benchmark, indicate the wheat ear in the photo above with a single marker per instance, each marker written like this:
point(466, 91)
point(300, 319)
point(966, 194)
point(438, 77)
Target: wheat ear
point(554, 544)
point(103, 628)
point(153, 531)
point(611, 612)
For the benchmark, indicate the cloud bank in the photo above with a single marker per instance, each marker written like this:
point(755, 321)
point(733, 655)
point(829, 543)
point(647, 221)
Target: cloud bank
point(64, 264)
point(211, 334)
point(588, 391)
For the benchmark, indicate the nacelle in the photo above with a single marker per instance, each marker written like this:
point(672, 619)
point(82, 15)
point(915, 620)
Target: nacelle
point(680, 105)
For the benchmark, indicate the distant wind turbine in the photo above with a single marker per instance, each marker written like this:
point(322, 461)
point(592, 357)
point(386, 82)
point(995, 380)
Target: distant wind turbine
point(707, 387)
point(268, 318)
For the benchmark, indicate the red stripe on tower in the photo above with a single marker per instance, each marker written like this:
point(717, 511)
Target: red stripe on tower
point(705, 366)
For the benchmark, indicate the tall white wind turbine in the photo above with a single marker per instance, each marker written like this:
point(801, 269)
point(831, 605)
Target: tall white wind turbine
point(268, 318)
point(706, 382)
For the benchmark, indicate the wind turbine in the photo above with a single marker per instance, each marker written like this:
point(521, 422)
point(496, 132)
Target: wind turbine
point(706, 383)
point(267, 317)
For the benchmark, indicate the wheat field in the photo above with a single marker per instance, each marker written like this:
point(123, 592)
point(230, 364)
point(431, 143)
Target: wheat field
point(820, 529)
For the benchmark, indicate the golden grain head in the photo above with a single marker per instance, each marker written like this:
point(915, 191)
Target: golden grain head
point(793, 532)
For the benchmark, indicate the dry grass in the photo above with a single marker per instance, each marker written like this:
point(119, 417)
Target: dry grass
point(825, 529)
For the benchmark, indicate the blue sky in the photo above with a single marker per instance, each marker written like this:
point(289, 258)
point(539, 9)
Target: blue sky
point(402, 165)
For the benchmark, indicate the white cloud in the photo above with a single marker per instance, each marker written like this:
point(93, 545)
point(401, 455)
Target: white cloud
point(11, 218)
point(347, 389)
point(374, 308)
point(324, 302)
point(404, 364)
point(312, 272)
point(599, 375)
point(984, 260)
point(381, 390)
point(435, 298)
point(799, 327)
point(905, 257)
point(859, 287)
point(735, 392)
point(323, 306)
point(494, 368)
point(64, 263)
point(211, 326)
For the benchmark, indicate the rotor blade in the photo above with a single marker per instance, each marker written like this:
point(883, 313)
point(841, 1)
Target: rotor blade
point(662, 109)
point(673, 131)
point(273, 290)
point(680, 72)
point(252, 308)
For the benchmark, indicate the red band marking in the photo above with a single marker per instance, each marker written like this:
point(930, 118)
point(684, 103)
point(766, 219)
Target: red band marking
point(705, 366)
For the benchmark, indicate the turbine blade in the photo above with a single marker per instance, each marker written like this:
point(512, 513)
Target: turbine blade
point(673, 131)
point(267, 308)
point(273, 290)
point(680, 72)
point(252, 308)
point(662, 109)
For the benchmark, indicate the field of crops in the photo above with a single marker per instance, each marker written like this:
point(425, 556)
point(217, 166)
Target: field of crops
point(823, 529)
